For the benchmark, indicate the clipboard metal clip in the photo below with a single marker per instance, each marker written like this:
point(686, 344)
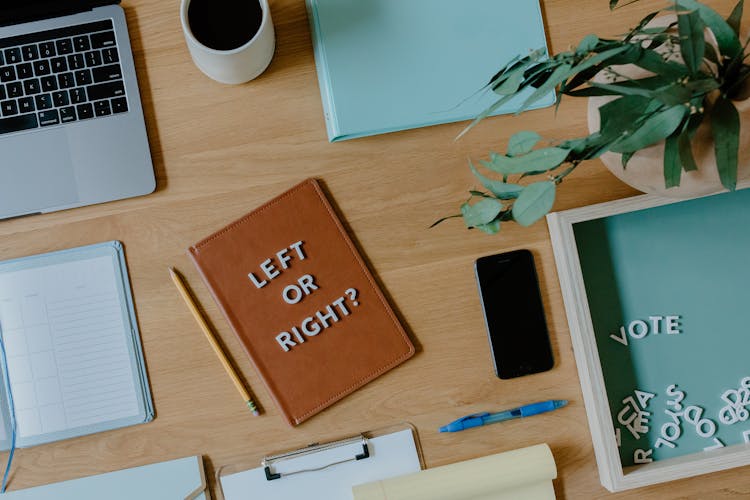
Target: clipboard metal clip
point(269, 462)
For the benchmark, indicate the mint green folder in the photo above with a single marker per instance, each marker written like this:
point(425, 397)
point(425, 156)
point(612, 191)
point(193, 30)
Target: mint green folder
point(390, 65)
point(181, 479)
point(73, 349)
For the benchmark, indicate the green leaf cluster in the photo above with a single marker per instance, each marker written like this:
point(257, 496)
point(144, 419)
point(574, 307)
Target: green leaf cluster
point(668, 105)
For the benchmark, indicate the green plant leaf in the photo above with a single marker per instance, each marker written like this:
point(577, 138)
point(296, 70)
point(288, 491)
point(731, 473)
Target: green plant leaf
point(484, 114)
point(588, 44)
point(657, 127)
point(522, 143)
point(479, 194)
point(692, 39)
point(537, 160)
point(511, 84)
point(685, 142)
point(629, 56)
point(641, 25)
point(626, 159)
point(623, 89)
point(728, 41)
point(535, 202)
point(490, 228)
point(654, 62)
point(440, 221)
point(686, 153)
point(503, 190)
point(674, 94)
point(482, 212)
point(600, 58)
point(558, 75)
point(672, 167)
point(619, 115)
point(725, 126)
point(735, 18)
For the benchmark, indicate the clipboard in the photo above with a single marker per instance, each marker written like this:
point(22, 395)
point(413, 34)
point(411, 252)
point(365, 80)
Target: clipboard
point(327, 469)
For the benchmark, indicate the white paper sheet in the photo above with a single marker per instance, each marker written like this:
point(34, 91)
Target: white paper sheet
point(65, 337)
point(390, 455)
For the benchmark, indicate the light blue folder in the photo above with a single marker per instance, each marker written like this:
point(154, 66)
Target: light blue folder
point(181, 479)
point(389, 65)
point(73, 348)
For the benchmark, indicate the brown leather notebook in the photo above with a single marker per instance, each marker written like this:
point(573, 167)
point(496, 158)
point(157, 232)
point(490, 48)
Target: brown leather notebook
point(302, 301)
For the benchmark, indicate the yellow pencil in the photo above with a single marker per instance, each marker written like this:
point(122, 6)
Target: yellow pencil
point(212, 340)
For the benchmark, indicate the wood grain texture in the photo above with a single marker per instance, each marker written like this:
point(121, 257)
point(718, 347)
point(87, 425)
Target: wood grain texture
point(220, 151)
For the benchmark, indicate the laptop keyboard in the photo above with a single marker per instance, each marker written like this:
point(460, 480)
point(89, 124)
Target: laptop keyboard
point(60, 76)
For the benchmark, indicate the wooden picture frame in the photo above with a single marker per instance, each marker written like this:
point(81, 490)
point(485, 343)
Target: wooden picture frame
point(612, 474)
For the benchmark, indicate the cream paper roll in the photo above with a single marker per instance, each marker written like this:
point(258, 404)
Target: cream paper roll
point(524, 474)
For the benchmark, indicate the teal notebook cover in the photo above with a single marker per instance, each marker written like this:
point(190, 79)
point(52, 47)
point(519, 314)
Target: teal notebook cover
point(73, 348)
point(390, 65)
point(181, 479)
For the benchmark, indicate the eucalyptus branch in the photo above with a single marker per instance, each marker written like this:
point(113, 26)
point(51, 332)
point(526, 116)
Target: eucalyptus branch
point(667, 106)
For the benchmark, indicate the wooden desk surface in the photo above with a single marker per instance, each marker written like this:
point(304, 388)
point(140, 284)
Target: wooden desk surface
point(220, 151)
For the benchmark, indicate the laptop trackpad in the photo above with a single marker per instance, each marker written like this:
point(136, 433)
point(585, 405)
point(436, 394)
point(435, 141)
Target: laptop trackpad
point(36, 173)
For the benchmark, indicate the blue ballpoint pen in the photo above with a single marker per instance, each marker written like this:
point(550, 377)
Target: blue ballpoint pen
point(479, 419)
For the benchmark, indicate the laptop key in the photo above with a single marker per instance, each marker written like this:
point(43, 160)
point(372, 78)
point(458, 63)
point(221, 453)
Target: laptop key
point(81, 43)
point(60, 98)
point(7, 74)
point(26, 105)
point(59, 64)
point(78, 96)
point(24, 71)
point(102, 108)
point(105, 90)
point(102, 40)
point(13, 56)
point(47, 49)
point(15, 89)
point(83, 77)
point(107, 73)
point(68, 114)
point(85, 111)
point(31, 86)
point(119, 105)
point(43, 101)
point(76, 61)
point(93, 58)
point(47, 118)
point(110, 55)
point(42, 68)
point(64, 46)
point(3, 95)
point(30, 52)
point(2, 58)
point(9, 108)
point(49, 83)
point(66, 80)
point(18, 123)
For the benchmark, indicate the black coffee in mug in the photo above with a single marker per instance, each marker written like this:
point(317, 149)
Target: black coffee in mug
point(224, 24)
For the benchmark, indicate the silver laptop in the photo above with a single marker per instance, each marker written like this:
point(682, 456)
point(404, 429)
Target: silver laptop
point(71, 124)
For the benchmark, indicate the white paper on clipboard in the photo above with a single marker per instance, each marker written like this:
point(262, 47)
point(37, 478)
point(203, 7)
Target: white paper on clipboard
point(330, 473)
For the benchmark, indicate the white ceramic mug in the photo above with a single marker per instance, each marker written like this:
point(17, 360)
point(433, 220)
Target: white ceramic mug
point(238, 65)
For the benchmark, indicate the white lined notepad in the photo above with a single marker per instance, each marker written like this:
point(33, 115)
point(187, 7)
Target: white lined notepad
point(72, 344)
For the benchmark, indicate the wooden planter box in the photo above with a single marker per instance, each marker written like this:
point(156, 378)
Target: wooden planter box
point(624, 262)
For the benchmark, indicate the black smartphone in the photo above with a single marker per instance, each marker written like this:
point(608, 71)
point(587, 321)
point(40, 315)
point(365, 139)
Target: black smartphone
point(514, 314)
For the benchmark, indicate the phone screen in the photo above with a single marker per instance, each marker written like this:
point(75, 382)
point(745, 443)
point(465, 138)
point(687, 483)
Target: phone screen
point(514, 314)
